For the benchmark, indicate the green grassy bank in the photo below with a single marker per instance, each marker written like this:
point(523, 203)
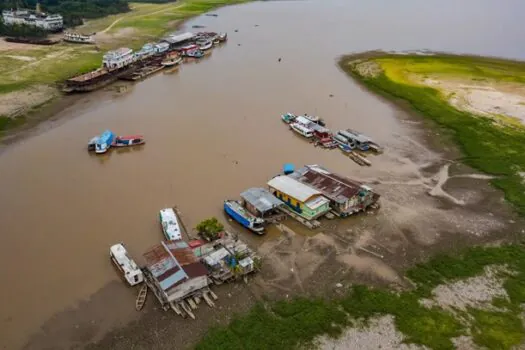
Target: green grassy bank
point(492, 144)
point(289, 325)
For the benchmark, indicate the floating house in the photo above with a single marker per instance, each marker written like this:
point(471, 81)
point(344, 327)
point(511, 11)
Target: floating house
point(306, 201)
point(346, 196)
point(260, 202)
point(174, 273)
point(226, 258)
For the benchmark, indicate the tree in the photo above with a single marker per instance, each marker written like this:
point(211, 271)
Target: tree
point(210, 228)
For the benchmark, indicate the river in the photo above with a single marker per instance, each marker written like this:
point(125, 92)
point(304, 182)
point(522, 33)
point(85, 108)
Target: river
point(212, 130)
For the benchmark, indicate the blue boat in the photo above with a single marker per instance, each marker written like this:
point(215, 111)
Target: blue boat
point(238, 213)
point(104, 141)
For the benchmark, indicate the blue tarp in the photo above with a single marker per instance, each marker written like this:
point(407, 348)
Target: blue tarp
point(288, 168)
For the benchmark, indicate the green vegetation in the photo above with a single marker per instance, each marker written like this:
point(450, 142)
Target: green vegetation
point(290, 324)
point(7, 123)
point(494, 149)
point(73, 11)
point(210, 228)
point(21, 30)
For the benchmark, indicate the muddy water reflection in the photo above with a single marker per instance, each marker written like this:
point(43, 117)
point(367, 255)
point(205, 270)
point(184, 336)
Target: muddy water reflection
point(213, 130)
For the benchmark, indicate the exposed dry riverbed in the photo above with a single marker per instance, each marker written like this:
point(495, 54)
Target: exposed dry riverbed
point(213, 129)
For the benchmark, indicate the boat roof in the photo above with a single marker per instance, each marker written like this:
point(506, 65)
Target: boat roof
point(170, 222)
point(173, 263)
point(302, 120)
point(122, 257)
point(301, 127)
point(105, 136)
point(293, 188)
point(261, 199)
point(356, 136)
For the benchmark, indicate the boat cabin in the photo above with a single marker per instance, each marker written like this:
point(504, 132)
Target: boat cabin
point(104, 141)
point(302, 130)
point(361, 141)
point(342, 140)
point(129, 269)
point(304, 200)
point(260, 202)
point(346, 196)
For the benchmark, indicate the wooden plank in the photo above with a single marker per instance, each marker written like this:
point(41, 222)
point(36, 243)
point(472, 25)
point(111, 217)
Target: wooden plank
point(213, 295)
point(192, 303)
point(208, 300)
point(186, 308)
point(176, 308)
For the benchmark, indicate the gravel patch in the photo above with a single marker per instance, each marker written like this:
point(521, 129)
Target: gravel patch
point(380, 333)
point(464, 343)
point(475, 291)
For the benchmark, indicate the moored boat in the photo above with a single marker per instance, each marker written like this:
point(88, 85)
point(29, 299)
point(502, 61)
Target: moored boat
point(92, 143)
point(367, 140)
point(100, 144)
point(126, 265)
point(302, 130)
point(238, 213)
point(315, 119)
point(205, 44)
point(126, 141)
point(171, 224)
point(288, 117)
point(171, 60)
point(194, 53)
point(361, 141)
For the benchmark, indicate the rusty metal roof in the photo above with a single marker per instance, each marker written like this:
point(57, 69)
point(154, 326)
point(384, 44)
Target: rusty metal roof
point(173, 263)
point(336, 187)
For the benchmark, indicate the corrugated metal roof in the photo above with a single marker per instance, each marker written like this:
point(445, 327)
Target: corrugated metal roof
point(293, 188)
point(261, 199)
point(173, 263)
point(336, 187)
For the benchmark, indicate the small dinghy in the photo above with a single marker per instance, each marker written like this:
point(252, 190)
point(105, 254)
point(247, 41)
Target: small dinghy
point(126, 141)
point(141, 297)
point(288, 118)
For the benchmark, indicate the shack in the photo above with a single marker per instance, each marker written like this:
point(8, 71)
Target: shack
point(261, 203)
point(227, 258)
point(306, 201)
point(346, 196)
point(174, 274)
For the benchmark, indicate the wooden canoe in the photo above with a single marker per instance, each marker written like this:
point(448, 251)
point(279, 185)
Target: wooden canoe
point(141, 298)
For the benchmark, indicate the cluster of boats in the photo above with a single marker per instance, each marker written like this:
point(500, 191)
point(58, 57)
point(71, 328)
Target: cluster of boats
point(102, 143)
point(127, 64)
point(314, 128)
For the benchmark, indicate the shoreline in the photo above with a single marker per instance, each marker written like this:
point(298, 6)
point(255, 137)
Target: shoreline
point(33, 116)
point(507, 178)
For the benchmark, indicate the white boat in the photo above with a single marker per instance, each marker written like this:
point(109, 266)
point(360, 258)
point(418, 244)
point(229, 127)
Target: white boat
point(171, 225)
point(205, 44)
point(302, 130)
point(171, 61)
point(132, 273)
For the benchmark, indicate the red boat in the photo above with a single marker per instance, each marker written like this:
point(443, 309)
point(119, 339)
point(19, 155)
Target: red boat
point(126, 141)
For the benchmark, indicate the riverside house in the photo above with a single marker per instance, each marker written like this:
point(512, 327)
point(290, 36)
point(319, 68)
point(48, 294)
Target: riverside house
point(306, 201)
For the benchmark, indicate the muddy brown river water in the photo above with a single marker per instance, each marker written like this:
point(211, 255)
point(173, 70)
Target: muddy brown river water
point(213, 130)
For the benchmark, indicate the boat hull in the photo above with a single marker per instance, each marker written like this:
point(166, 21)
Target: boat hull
point(241, 219)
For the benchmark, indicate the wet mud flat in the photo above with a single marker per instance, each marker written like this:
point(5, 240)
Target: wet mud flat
point(430, 204)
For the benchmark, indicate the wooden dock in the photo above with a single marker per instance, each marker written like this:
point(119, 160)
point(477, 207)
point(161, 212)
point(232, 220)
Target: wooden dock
point(311, 224)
